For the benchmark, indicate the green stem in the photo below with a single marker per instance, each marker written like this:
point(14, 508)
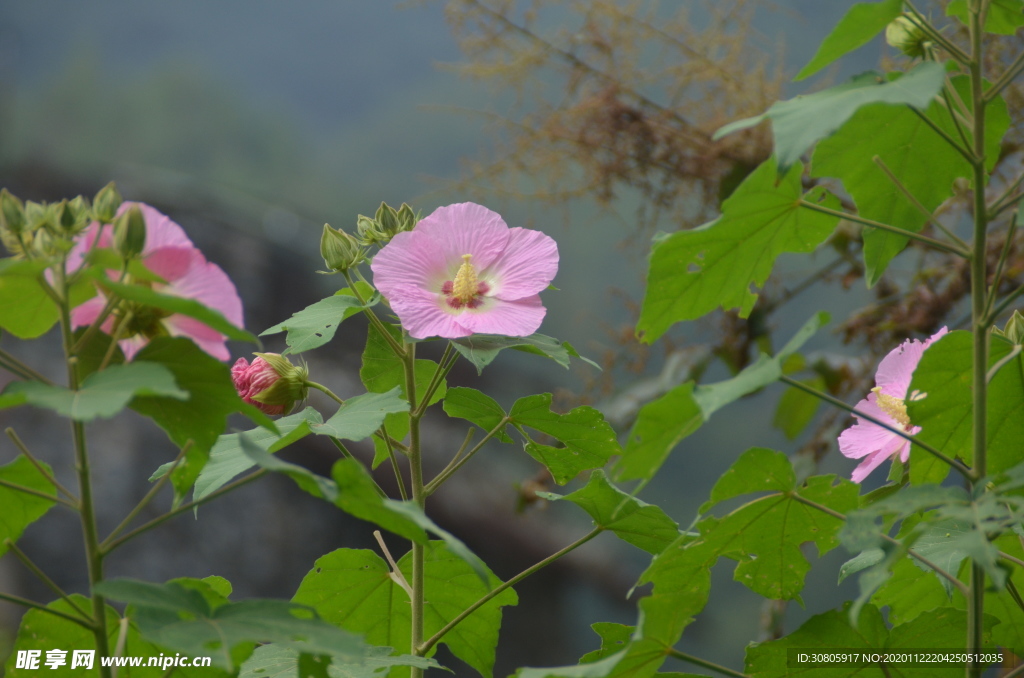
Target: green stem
point(87, 512)
point(704, 663)
point(39, 467)
point(457, 463)
point(963, 470)
point(25, 602)
point(345, 452)
point(395, 466)
point(108, 308)
point(937, 244)
point(324, 389)
point(16, 367)
point(968, 156)
point(109, 545)
point(43, 577)
point(954, 114)
point(918, 19)
point(998, 310)
point(372, 317)
point(144, 502)
point(1007, 199)
point(408, 356)
point(1002, 363)
point(976, 599)
point(453, 464)
point(444, 366)
point(434, 639)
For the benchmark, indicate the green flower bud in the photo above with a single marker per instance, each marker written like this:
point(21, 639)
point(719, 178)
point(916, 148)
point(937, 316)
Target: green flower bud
point(370, 232)
point(407, 219)
point(907, 37)
point(339, 249)
point(130, 233)
point(106, 203)
point(1014, 329)
point(387, 219)
point(38, 215)
point(12, 222)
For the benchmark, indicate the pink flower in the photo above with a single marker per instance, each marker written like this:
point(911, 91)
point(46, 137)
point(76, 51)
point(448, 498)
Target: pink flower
point(887, 403)
point(463, 271)
point(170, 254)
point(271, 382)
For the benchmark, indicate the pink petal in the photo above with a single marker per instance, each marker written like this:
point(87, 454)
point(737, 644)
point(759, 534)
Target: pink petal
point(896, 369)
point(171, 263)
point(209, 285)
point(411, 259)
point(526, 267)
point(87, 312)
point(519, 318)
point(206, 338)
point(84, 242)
point(132, 346)
point(423, 316)
point(161, 232)
point(466, 228)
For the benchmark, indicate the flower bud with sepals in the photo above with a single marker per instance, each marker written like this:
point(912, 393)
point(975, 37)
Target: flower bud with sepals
point(12, 222)
point(1014, 328)
point(106, 203)
point(271, 383)
point(130, 232)
point(907, 37)
point(339, 249)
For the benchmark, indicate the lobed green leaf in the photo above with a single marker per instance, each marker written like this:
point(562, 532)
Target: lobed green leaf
point(860, 24)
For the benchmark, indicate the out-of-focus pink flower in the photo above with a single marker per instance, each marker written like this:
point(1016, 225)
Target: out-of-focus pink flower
point(271, 382)
point(463, 271)
point(887, 403)
point(171, 255)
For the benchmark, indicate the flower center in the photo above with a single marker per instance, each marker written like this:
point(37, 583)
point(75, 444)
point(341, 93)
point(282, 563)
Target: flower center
point(465, 290)
point(893, 406)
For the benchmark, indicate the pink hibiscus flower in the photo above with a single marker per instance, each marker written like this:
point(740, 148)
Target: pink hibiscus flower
point(887, 403)
point(171, 255)
point(463, 271)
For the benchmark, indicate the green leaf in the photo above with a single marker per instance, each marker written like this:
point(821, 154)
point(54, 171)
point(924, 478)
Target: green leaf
point(316, 324)
point(477, 408)
point(944, 415)
point(29, 312)
point(482, 349)
point(614, 638)
point(800, 122)
point(643, 525)
point(180, 618)
point(19, 509)
point(43, 632)
point(361, 416)
point(589, 440)
point(274, 661)
point(861, 22)
point(354, 589)
point(1004, 16)
point(694, 272)
point(909, 592)
point(316, 485)
point(796, 408)
point(201, 418)
point(175, 304)
point(227, 459)
point(765, 535)
point(382, 370)
point(102, 394)
point(923, 162)
point(662, 423)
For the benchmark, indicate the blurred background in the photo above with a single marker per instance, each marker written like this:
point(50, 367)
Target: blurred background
point(253, 122)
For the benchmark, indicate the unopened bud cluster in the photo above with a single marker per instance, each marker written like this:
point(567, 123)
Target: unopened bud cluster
point(46, 230)
point(385, 224)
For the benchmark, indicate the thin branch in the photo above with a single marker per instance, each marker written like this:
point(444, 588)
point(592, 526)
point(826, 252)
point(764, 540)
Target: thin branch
point(1007, 199)
point(15, 366)
point(440, 478)
point(963, 470)
point(25, 602)
point(43, 577)
point(938, 244)
point(918, 20)
point(970, 157)
point(917, 203)
point(389, 443)
point(433, 640)
point(704, 663)
point(396, 574)
point(444, 366)
point(346, 453)
point(992, 371)
point(157, 486)
point(37, 493)
point(998, 310)
point(107, 546)
point(997, 277)
point(1012, 71)
point(39, 466)
point(960, 586)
